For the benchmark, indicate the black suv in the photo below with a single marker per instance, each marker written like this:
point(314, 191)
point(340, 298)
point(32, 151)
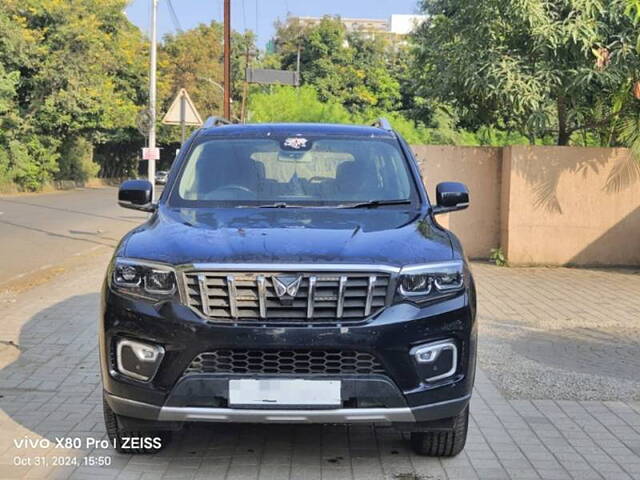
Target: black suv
point(290, 273)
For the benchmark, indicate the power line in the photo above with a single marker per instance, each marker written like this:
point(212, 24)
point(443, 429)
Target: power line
point(174, 17)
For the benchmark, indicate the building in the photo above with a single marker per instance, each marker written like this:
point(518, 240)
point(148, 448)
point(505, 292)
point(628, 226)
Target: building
point(401, 24)
point(398, 25)
point(363, 25)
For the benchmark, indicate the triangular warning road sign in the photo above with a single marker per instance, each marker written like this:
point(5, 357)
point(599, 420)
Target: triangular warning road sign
point(174, 114)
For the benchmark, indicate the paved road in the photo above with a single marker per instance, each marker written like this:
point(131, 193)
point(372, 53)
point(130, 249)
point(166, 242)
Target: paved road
point(47, 230)
point(50, 388)
point(556, 395)
point(561, 333)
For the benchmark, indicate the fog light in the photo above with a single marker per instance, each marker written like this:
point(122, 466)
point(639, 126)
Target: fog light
point(138, 360)
point(437, 360)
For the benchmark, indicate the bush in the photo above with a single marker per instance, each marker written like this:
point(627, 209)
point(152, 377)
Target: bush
point(76, 161)
point(496, 255)
point(286, 104)
point(29, 163)
point(6, 173)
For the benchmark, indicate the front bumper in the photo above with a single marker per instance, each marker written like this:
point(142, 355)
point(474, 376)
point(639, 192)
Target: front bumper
point(384, 416)
point(399, 396)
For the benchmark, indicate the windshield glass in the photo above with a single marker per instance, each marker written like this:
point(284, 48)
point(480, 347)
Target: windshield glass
point(293, 171)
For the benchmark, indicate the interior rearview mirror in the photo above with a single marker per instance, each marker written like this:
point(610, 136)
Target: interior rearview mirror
point(451, 196)
point(137, 195)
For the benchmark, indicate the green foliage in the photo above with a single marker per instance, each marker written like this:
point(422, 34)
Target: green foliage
point(345, 68)
point(76, 161)
point(193, 60)
point(73, 77)
point(535, 66)
point(357, 79)
point(633, 10)
point(287, 104)
point(32, 162)
point(67, 70)
point(497, 256)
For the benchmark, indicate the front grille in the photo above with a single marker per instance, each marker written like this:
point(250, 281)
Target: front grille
point(245, 361)
point(320, 297)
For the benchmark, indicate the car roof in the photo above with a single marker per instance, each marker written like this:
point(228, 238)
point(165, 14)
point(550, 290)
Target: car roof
point(293, 129)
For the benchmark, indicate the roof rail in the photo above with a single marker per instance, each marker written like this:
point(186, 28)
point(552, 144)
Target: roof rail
point(215, 122)
point(382, 123)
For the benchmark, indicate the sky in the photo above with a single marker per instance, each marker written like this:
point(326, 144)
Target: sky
point(245, 12)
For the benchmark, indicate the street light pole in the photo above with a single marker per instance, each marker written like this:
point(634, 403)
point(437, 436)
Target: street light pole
point(227, 59)
point(152, 95)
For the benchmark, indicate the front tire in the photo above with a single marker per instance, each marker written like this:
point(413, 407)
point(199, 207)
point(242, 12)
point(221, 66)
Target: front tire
point(443, 443)
point(143, 442)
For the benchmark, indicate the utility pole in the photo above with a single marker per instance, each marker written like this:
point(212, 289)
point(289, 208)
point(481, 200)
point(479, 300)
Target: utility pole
point(298, 67)
point(183, 119)
point(227, 59)
point(152, 97)
point(245, 88)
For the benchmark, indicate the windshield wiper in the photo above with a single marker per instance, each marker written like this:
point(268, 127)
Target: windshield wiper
point(369, 204)
point(376, 203)
point(278, 205)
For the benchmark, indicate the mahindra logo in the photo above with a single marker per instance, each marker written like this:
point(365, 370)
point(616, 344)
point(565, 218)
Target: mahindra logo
point(295, 143)
point(287, 288)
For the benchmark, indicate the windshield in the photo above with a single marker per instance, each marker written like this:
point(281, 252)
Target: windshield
point(292, 171)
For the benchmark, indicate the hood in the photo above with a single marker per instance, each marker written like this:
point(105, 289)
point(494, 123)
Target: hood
point(386, 236)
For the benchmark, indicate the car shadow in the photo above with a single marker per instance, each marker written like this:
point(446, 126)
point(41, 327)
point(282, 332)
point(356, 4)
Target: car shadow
point(607, 352)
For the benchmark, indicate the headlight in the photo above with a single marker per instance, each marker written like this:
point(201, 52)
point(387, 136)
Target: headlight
point(420, 283)
point(143, 279)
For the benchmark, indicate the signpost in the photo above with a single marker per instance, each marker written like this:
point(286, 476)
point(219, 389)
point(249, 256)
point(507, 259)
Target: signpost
point(151, 153)
point(267, 76)
point(182, 112)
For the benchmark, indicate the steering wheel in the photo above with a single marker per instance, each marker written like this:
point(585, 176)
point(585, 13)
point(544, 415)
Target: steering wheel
point(319, 179)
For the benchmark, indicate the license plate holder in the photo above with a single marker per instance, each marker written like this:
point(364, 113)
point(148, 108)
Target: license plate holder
point(278, 393)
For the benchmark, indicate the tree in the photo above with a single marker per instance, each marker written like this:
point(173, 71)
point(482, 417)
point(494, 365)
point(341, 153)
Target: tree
point(193, 60)
point(538, 66)
point(348, 68)
point(77, 71)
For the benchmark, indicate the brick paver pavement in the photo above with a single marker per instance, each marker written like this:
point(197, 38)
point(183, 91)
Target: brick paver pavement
point(50, 388)
point(561, 333)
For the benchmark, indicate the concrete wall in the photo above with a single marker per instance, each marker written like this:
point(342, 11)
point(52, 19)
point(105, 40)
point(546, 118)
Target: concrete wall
point(480, 169)
point(543, 205)
point(575, 206)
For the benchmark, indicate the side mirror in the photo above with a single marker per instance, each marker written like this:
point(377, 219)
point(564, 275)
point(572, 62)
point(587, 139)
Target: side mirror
point(136, 194)
point(451, 196)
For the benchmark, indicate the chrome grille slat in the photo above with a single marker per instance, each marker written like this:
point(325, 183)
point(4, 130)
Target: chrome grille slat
point(231, 286)
point(204, 294)
point(311, 296)
point(341, 293)
point(262, 296)
point(369, 301)
point(323, 296)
